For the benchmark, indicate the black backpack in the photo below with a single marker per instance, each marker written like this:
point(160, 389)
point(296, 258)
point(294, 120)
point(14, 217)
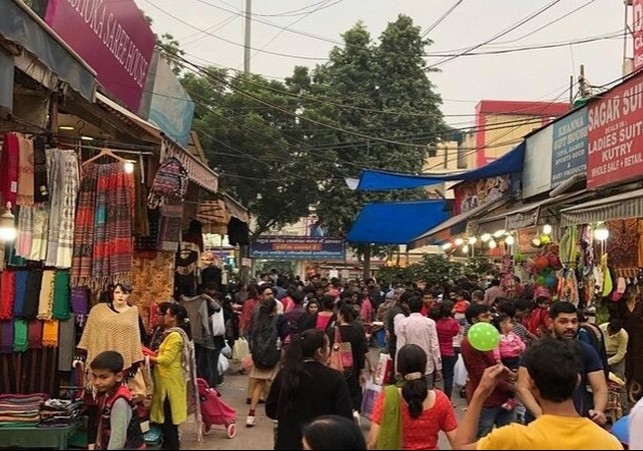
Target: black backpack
point(266, 347)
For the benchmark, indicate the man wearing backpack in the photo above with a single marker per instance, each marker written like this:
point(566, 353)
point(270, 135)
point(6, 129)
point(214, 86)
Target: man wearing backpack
point(269, 332)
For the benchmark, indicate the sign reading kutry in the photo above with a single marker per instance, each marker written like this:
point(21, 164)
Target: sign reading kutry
point(569, 147)
point(297, 248)
point(615, 135)
point(113, 37)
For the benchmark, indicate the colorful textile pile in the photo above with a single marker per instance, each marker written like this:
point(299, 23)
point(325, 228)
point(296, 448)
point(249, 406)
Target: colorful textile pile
point(59, 412)
point(20, 410)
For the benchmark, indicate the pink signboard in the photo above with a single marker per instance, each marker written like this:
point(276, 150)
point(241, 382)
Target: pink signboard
point(637, 6)
point(113, 37)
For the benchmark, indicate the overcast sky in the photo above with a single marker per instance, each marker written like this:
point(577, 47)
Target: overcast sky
point(530, 75)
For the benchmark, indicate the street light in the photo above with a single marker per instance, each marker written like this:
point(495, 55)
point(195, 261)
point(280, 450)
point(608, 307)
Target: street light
point(8, 230)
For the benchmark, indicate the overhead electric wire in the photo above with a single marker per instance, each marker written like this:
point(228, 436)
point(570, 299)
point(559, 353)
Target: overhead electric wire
point(499, 35)
point(440, 19)
point(292, 13)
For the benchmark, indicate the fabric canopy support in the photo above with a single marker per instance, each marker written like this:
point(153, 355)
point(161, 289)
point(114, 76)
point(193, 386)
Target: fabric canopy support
point(375, 180)
point(452, 226)
point(620, 206)
point(396, 222)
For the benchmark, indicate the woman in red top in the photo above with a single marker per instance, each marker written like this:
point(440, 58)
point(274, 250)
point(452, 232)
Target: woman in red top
point(448, 328)
point(424, 412)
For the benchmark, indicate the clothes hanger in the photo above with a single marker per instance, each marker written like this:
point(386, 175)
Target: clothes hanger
point(105, 152)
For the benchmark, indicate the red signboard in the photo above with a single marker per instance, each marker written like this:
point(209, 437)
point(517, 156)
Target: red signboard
point(615, 135)
point(637, 6)
point(113, 37)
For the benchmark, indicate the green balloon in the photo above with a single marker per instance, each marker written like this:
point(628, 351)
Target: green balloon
point(483, 336)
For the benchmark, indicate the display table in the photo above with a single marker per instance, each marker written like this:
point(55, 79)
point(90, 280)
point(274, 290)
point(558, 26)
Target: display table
point(36, 437)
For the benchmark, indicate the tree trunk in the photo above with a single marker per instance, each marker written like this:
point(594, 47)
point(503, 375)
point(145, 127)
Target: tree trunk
point(367, 261)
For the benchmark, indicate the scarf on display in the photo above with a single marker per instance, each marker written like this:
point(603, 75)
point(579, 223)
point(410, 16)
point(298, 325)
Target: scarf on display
point(46, 297)
point(63, 186)
point(9, 167)
point(40, 230)
point(25, 232)
point(6, 337)
point(141, 222)
point(81, 268)
point(79, 301)
point(41, 184)
point(67, 344)
point(7, 295)
point(25, 172)
point(32, 295)
point(35, 334)
point(170, 226)
point(20, 342)
point(20, 284)
point(61, 307)
point(50, 334)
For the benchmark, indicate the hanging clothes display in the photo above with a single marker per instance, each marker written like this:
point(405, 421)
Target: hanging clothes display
point(186, 272)
point(25, 195)
point(103, 236)
point(9, 158)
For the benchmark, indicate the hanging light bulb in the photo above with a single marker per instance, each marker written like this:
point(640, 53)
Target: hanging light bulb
point(499, 233)
point(8, 230)
point(547, 229)
point(473, 240)
point(601, 233)
point(465, 249)
point(493, 244)
point(446, 246)
point(510, 240)
point(485, 237)
point(458, 241)
point(129, 167)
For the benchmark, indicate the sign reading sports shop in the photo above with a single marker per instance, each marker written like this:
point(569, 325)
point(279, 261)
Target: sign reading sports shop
point(113, 37)
point(615, 135)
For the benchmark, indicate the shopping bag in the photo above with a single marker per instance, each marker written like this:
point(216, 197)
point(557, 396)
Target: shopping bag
point(240, 350)
point(371, 392)
point(223, 364)
point(460, 374)
point(384, 369)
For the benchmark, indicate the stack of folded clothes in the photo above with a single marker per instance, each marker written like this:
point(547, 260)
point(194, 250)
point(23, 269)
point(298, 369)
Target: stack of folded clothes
point(59, 412)
point(20, 410)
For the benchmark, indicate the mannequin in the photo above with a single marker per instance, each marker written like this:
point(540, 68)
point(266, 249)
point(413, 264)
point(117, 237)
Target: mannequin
point(115, 326)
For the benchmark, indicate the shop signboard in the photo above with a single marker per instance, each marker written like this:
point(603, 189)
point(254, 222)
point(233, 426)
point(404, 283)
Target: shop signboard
point(113, 37)
point(525, 237)
point(297, 248)
point(522, 219)
point(536, 173)
point(637, 7)
point(569, 147)
point(476, 193)
point(615, 135)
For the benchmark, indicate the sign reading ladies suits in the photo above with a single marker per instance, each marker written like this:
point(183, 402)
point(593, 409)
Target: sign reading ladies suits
point(615, 135)
point(113, 37)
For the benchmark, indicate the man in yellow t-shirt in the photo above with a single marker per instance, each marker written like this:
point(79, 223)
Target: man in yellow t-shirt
point(552, 366)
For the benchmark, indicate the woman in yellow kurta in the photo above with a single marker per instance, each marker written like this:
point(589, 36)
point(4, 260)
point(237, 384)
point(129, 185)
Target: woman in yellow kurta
point(173, 377)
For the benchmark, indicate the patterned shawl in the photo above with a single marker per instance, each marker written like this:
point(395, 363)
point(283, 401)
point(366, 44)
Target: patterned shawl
point(25, 232)
point(188, 364)
point(41, 183)
point(9, 168)
point(46, 298)
point(63, 186)
point(81, 270)
point(40, 232)
point(25, 172)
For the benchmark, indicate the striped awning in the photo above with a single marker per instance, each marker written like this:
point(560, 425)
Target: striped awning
point(620, 206)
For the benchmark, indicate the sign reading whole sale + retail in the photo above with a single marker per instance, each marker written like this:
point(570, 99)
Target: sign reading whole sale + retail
point(113, 37)
point(615, 135)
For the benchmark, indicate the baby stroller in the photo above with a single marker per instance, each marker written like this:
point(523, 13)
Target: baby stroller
point(215, 411)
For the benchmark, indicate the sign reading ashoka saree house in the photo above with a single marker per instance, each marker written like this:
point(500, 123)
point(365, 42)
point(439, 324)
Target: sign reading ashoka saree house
point(113, 37)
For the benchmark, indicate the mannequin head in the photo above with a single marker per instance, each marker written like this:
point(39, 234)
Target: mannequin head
point(121, 294)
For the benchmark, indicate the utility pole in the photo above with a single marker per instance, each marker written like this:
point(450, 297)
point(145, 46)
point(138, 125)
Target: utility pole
point(247, 37)
point(583, 86)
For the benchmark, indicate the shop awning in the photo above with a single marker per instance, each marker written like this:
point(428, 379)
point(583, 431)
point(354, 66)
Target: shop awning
point(396, 222)
point(452, 226)
point(375, 180)
point(214, 214)
point(20, 25)
point(620, 206)
point(197, 170)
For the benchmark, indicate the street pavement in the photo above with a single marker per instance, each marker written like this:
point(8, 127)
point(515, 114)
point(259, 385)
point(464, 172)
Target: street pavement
point(260, 437)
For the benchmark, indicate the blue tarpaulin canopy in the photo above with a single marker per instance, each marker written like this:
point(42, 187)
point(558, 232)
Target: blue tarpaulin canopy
point(397, 222)
point(374, 180)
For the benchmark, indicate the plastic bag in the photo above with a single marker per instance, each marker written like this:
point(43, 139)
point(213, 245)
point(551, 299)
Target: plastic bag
point(460, 374)
point(371, 392)
point(223, 364)
point(240, 350)
point(227, 351)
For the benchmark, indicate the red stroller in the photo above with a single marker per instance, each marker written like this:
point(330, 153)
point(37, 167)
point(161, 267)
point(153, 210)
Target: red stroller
point(214, 410)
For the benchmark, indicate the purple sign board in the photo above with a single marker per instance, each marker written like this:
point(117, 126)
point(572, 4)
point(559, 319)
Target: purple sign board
point(297, 248)
point(113, 37)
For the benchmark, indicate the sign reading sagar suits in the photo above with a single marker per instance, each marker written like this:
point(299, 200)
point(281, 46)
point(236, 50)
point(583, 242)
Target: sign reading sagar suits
point(113, 37)
point(615, 135)
point(297, 248)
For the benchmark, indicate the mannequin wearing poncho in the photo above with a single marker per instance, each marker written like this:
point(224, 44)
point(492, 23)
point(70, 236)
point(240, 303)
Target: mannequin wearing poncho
point(108, 330)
